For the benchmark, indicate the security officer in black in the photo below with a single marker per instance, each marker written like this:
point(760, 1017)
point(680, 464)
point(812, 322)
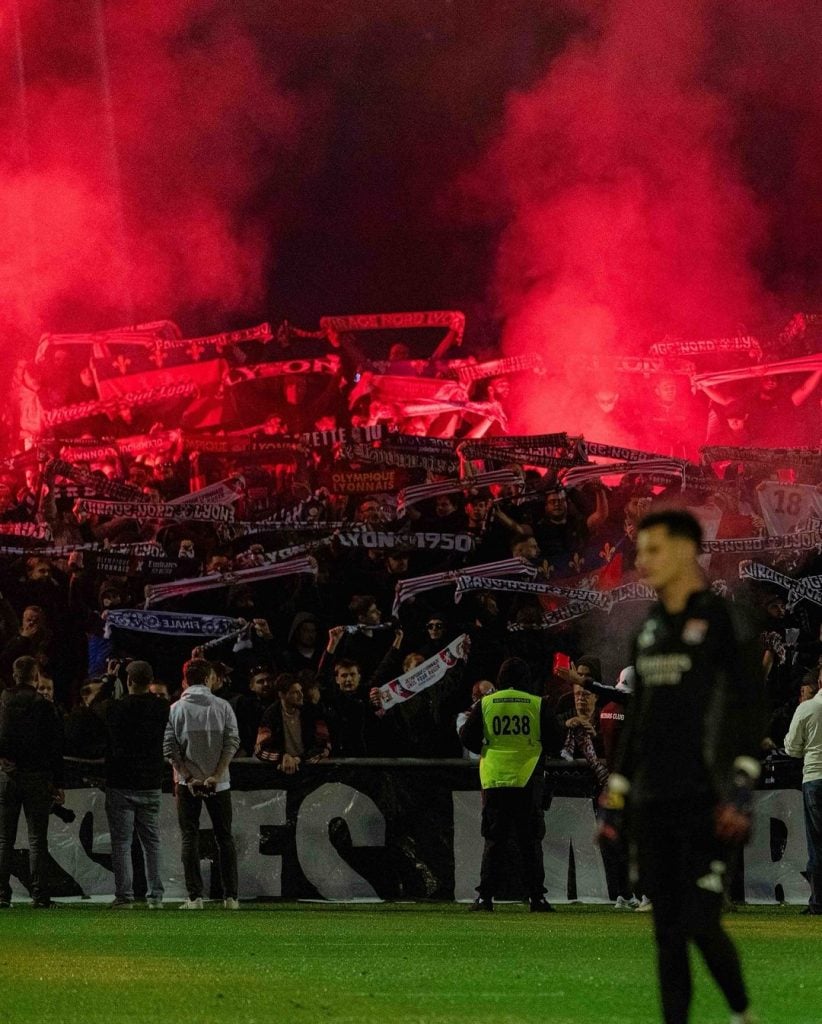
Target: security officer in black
point(510, 729)
point(687, 761)
point(31, 777)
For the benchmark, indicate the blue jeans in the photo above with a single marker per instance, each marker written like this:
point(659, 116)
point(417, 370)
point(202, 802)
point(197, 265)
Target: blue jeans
point(130, 810)
point(30, 792)
point(812, 801)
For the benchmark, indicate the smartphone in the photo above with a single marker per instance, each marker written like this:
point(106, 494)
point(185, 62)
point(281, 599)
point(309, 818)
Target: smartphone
point(561, 661)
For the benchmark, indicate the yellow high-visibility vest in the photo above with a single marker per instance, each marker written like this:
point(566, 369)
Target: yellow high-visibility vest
point(512, 738)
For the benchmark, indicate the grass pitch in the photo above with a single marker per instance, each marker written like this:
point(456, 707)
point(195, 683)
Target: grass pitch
point(386, 964)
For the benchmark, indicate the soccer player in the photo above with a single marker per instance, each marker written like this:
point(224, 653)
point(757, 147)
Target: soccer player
point(687, 762)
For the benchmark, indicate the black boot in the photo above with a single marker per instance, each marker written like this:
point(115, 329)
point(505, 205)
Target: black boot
point(539, 905)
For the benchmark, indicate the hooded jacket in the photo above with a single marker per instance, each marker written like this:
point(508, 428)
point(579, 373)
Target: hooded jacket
point(201, 729)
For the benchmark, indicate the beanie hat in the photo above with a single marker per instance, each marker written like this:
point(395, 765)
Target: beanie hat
point(514, 674)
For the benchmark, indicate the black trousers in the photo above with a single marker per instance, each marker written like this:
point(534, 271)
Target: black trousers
point(516, 811)
point(683, 869)
point(218, 807)
point(30, 792)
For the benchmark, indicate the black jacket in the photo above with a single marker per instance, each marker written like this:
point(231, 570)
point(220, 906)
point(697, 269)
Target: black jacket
point(134, 749)
point(697, 704)
point(31, 734)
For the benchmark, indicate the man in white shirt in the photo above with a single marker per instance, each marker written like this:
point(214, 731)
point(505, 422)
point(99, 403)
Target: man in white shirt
point(804, 740)
point(201, 738)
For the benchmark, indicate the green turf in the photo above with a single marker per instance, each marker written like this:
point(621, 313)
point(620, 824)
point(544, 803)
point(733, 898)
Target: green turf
point(389, 964)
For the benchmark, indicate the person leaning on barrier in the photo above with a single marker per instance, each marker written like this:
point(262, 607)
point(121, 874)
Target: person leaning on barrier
point(31, 777)
point(291, 732)
point(510, 729)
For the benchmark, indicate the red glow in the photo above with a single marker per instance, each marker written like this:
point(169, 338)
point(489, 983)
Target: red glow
point(629, 215)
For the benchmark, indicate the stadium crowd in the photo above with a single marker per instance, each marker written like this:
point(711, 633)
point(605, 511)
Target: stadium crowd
point(357, 586)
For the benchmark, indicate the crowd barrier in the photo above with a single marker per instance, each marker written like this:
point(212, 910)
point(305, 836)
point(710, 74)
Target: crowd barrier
point(380, 829)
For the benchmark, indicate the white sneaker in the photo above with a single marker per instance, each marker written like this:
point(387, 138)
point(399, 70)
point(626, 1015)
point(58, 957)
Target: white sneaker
point(744, 1018)
point(230, 903)
point(622, 904)
point(196, 904)
point(645, 906)
point(154, 904)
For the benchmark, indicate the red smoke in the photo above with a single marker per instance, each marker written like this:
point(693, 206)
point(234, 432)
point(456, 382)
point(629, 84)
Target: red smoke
point(140, 135)
point(632, 209)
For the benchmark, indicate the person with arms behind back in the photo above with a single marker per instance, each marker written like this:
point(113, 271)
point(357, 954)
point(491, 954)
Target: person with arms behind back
point(201, 738)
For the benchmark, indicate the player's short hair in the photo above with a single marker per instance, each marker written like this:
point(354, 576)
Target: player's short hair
point(196, 672)
point(676, 521)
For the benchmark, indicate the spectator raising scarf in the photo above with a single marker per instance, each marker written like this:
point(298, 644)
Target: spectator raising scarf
point(216, 580)
point(170, 623)
point(409, 684)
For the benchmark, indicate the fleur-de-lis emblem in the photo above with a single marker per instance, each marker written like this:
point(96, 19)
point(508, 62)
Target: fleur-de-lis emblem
point(576, 562)
point(195, 350)
point(122, 364)
point(158, 356)
point(607, 552)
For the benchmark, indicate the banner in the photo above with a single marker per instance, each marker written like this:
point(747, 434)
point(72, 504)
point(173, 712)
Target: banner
point(201, 513)
point(806, 364)
point(449, 318)
point(500, 367)
point(38, 531)
point(802, 540)
point(807, 588)
point(352, 482)
point(389, 389)
point(98, 449)
point(135, 398)
point(396, 457)
point(96, 482)
point(576, 476)
point(236, 530)
point(138, 549)
point(655, 367)
point(410, 683)
point(604, 600)
point(613, 451)
point(742, 343)
point(408, 589)
point(169, 623)
point(429, 541)
point(548, 450)
point(284, 830)
point(139, 367)
point(422, 492)
point(224, 492)
point(217, 580)
point(254, 373)
point(782, 457)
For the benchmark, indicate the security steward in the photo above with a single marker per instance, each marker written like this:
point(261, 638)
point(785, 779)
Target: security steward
point(510, 729)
